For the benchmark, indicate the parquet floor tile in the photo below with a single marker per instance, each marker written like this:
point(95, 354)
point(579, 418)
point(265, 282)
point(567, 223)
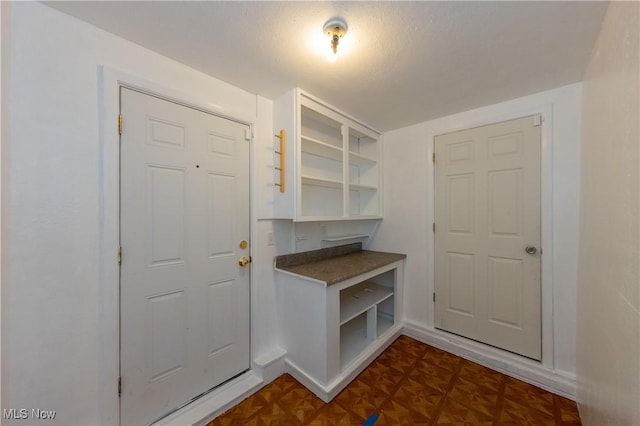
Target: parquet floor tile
point(410, 383)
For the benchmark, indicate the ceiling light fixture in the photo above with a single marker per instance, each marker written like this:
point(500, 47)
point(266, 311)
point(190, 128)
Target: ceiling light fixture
point(335, 28)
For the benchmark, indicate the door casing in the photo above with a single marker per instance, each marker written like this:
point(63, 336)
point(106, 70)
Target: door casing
point(478, 167)
point(109, 82)
point(546, 204)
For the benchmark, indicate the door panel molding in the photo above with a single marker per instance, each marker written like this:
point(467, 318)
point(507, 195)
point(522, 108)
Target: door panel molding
point(483, 117)
point(109, 82)
point(506, 300)
point(176, 200)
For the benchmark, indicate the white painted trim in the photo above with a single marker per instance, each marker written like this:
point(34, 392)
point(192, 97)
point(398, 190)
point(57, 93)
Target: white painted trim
point(505, 362)
point(357, 366)
point(207, 408)
point(109, 82)
point(546, 208)
point(271, 365)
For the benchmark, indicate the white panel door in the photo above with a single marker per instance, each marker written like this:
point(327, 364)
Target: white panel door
point(487, 239)
point(184, 308)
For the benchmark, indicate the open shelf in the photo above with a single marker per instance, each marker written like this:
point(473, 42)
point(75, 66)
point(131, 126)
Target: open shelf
point(322, 149)
point(358, 187)
point(384, 323)
point(353, 339)
point(311, 116)
point(328, 149)
point(309, 180)
point(360, 297)
point(363, 201)
point(360, 160)
point(384, 320)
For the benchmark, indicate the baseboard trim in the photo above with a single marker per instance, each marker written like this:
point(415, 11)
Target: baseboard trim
point(505, 362)
point(271, 365)
point(329, 391)
point(207, 408)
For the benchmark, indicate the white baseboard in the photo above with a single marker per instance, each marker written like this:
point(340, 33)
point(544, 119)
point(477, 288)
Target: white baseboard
point(328, 392)
point(271, 365)
point(522, 368)
point(207, 408)
point(265, 369)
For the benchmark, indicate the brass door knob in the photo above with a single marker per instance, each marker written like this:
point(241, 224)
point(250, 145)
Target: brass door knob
point(244, 261)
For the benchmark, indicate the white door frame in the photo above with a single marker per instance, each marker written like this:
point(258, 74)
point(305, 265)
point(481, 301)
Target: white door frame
point(109, 82)
point(546, 207)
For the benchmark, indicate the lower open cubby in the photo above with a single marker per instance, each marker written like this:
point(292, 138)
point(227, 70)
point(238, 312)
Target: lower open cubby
point(366, 312)
point(331, 332)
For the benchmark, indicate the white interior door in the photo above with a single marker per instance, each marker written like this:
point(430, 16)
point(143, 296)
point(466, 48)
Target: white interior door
point(184, 308)
point(487, 234)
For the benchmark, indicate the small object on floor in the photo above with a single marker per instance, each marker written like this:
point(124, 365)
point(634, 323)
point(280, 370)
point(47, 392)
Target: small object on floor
point(371, 420)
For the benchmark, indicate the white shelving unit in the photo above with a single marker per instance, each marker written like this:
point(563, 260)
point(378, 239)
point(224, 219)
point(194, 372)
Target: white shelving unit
point(359, 319)
point(333, 169)
point(332, 332)
point(360, 298)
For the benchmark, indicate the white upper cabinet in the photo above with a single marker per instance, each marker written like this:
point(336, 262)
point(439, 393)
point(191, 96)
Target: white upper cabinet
point(331, 162)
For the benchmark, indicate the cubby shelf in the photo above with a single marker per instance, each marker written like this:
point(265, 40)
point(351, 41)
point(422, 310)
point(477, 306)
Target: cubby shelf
point(359, 160)
point(353, 339)
point(358, 187)
point(322, 149)
point(359, 298)
point(309, 180)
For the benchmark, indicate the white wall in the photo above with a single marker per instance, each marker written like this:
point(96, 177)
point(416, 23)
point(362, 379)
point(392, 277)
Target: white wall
point(408, 182)
point(52, 349)
point(608, 340)
point(54, 286)
point(4, 136)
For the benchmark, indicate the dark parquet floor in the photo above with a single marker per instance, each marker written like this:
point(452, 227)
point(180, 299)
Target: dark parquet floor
point(410, 383)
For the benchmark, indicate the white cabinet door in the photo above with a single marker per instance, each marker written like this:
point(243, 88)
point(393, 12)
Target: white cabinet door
point(487, 214)
point(184, 298)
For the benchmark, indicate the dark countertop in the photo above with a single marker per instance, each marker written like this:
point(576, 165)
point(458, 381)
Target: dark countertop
point(335, 264)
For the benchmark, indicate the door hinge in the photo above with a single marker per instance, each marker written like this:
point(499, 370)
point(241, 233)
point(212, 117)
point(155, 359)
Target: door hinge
point(434, 296)
point(120, 124)
point(537, 120)
point(248, 135)
point(119, 256)
point(119, 386)
point(433, 157)
point(434, 227)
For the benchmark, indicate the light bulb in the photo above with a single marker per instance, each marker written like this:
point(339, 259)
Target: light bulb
point(335, 28)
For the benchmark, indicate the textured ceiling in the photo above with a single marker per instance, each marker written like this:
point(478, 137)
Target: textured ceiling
point(403, 62)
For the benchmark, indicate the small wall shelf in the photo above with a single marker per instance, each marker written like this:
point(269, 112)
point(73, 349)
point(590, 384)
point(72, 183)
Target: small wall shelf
point(344, 237)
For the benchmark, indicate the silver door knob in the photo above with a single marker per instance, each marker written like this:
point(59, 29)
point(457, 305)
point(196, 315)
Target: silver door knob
point(531, 250)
